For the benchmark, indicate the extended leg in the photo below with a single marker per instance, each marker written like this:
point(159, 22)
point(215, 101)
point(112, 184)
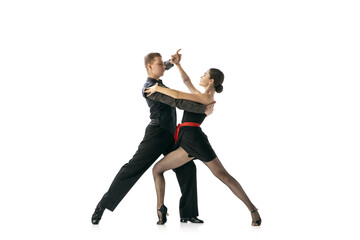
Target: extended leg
point(220, 172)
point(155, 141)
point(148, 151)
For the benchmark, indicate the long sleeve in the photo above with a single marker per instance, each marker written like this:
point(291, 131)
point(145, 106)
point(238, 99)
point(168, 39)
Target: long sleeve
point(168, 65)
point(179, 103)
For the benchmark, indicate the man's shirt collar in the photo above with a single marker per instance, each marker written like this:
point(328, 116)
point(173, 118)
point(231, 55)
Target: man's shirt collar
point(153, 80)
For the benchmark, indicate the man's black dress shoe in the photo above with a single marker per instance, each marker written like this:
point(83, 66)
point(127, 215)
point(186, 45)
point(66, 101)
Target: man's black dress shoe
point(99, 210)
point(191, 219)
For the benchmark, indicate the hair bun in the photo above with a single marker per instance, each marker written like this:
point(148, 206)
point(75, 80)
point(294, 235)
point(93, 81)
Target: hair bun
point(219, 88)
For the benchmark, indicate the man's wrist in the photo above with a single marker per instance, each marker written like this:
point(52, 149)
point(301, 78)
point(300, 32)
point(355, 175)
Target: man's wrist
point(168, 64)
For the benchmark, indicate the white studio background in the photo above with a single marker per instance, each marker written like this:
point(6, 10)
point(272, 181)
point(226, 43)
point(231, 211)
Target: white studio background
point(286, 125)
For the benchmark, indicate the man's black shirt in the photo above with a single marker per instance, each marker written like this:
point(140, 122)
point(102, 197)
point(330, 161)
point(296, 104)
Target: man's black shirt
point(162, 107)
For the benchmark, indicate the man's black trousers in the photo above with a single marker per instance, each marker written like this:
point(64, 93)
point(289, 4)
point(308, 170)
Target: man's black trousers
point(156, 141)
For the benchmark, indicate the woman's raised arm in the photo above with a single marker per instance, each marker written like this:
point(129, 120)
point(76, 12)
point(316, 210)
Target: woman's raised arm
point(187, 80)
point(176, 58)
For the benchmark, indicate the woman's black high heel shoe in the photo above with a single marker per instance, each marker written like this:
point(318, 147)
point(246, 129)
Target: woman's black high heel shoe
point(163, 211)
point(257, 222)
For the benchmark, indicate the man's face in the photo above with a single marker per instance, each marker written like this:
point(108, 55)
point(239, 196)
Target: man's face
point(157, 68)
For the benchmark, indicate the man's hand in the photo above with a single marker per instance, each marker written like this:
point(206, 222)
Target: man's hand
point(176, 58)
point(210, 108)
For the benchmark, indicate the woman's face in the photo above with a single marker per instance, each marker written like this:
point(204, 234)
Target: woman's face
point(205, 79)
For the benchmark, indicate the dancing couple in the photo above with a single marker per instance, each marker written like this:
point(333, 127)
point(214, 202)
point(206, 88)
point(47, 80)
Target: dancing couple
point(180, 145)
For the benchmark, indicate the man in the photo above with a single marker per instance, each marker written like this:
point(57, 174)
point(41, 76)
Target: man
point(158, 139)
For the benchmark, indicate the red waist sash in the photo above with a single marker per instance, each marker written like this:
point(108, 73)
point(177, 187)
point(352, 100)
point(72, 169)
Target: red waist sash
point(190, 124)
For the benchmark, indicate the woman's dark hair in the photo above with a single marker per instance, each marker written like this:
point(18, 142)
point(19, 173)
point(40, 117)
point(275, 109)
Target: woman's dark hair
point(218, 77)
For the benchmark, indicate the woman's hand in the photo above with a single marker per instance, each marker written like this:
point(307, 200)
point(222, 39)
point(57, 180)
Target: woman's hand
point(151, 90)
point(176, 58)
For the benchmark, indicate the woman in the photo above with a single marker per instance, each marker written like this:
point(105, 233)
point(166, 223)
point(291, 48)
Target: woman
point(191, 143)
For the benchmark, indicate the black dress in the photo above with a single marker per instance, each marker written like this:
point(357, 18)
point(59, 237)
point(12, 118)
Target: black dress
point(193, 140)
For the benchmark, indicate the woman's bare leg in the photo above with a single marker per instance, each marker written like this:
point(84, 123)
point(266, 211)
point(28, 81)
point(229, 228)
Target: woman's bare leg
point(220, 172)
point(173, 160)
